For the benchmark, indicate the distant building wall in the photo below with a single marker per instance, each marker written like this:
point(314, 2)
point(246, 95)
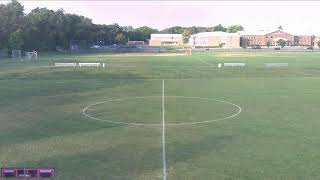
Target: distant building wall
point(166, 40)
point(316, 40)
point(215, 39)
point(306, 40)
point(273, 37)
point(233, 41)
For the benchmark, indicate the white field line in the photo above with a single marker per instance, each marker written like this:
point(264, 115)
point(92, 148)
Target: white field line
point(164, 162)
point(84, 111)
point(205, 62)
point(211, 78)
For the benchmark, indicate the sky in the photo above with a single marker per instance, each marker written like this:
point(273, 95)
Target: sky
point(296, 17)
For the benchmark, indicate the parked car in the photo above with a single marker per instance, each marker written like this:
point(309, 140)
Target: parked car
point(95, 47)
point(310, 48)
point(256, 47)
point(277, 48)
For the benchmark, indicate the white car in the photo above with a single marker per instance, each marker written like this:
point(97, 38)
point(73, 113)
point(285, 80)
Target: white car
point(95, 47)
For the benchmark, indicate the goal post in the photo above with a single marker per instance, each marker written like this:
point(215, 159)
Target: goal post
point(16, 54)
point(32, 55)
point(189, 51)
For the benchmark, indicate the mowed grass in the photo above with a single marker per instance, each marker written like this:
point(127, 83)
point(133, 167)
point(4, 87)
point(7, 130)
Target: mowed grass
point(276, 136)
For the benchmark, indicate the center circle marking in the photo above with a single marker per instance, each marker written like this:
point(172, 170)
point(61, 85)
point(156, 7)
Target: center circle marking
point(85, 113)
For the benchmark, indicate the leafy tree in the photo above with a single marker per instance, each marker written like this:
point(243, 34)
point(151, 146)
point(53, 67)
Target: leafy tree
point(282, 42)
point(268, 44)
point(11, 19)
point(44, 29)
point(280, 27)
point(194, 30)
point(120, 38)
point(173, 30)
point(219, 27)
point(108, 34)
point(15, 40)
point(318, 43)
point(140, 34)
point(186, 35)
point(234, 28)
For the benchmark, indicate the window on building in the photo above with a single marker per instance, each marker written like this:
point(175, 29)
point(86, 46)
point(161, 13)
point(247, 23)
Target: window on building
point(266, 36)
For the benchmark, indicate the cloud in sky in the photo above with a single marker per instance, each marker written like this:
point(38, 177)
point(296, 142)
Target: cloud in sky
point(297, 17)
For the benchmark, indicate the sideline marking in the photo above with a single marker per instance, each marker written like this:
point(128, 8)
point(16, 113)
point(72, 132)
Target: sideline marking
point(84, 111)
point(163, 136)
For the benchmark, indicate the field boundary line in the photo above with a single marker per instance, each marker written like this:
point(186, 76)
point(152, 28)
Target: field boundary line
point(188, 79)
point(164, 162)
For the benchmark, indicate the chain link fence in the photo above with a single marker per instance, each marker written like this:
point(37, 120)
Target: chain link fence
point(4, 53)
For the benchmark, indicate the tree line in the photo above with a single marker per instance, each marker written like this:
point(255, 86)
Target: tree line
point(44, 29)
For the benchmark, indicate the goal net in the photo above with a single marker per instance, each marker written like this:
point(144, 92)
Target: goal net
point(16, 54)
point(32, 55)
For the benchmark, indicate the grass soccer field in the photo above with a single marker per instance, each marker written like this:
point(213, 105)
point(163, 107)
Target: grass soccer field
point(163, 117)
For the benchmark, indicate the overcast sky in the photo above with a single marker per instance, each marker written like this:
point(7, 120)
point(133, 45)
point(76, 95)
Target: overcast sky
point(297, 17)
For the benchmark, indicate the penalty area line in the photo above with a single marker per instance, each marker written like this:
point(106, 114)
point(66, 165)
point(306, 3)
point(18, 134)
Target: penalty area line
point(205, 62)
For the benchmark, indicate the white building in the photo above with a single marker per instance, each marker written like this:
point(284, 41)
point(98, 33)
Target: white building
point(317, 39)
point(215, 39)
point(166, 40)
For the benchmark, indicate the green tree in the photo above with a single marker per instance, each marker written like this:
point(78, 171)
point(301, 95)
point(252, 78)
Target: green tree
point(141, 34)
point(41, 29)
point(109, 34)
point(186, 35)
point(15, 40)
point(120, 38)
point(282, 42)
point(11, 19)
point(219, 27)
point(194, 29)
point(234, 28)
point(173, 30)
point(47, 29)
point(280, 27)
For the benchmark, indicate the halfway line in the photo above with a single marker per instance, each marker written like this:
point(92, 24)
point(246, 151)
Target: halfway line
point(163, 136)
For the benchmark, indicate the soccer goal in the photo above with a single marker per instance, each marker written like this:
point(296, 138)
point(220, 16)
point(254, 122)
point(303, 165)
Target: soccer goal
point(32, 55)
point(16, 54)
point(189, 52)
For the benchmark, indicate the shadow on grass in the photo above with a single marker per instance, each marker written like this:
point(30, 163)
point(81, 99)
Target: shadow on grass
point(127, 161)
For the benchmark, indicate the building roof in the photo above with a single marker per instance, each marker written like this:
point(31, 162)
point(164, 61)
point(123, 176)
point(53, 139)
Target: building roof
point(166, 35)
point(265, 32)
point(260, 32)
